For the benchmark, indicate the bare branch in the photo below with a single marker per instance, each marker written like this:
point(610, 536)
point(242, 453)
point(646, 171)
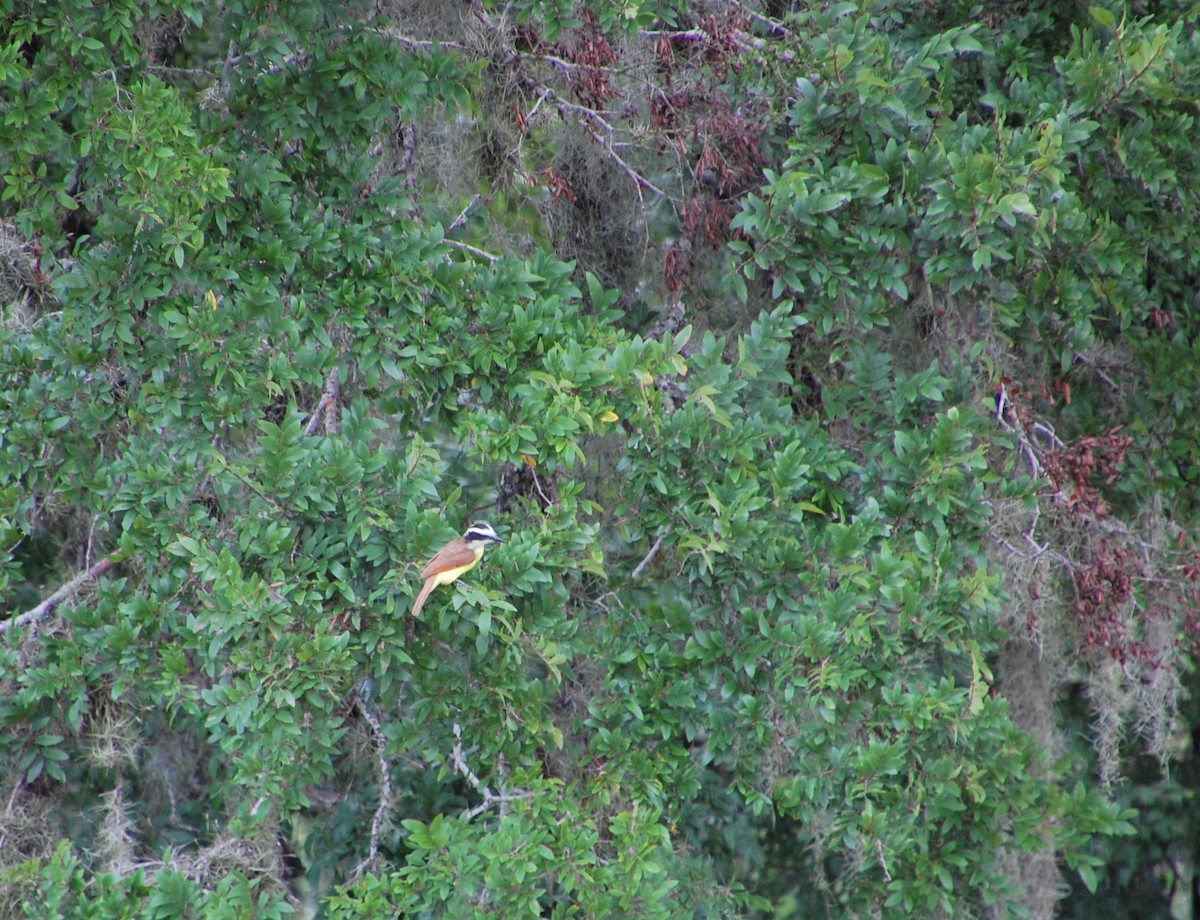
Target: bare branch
point(462, 768)
point(47, 606)
point(473, 250)
point(748, 43)
point(1035, 468)
point(639, 181)
point(773, 26)
point(462, 217)
point(182, 73)
point(326, 410)
point(415, 44)
point(588, 119)
point(538, 484)
point(406, 136)
point(649, 556)
point(385, 787)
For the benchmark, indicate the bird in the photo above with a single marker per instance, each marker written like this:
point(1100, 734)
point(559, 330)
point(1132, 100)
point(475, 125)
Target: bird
point(458, 556)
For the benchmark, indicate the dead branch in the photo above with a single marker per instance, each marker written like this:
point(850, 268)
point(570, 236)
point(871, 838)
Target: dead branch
point(463, 215)
point(462, 768)
point(473, 250)
point(327, 407)
point(649, 556)
point(47, 606)
point(773, 26)
point(414, 44)
point(750, 44)
point(385, 787)
point(588, 118)
point(538, 484)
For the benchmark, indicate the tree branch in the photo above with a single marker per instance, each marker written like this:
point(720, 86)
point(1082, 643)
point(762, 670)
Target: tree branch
point(326, 410)
point(773, 26)
point(473, 250)
point(649, 556)
point(462, 768)
point(385, 787)
point(47, 606)
point(462, 217)
point(588, 117)
point(413, 44)
point(749, 44)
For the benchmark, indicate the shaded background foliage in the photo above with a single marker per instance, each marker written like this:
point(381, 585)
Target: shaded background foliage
point(829, 372)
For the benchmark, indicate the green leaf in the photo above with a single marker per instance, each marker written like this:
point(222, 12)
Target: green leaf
point(1087, 874)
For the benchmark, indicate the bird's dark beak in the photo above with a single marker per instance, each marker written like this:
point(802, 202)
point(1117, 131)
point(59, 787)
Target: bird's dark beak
point(496, 539)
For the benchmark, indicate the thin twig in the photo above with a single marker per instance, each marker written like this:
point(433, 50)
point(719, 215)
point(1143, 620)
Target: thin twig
point(546, 94)
point(462, 768)
point(407, 138)
point(639, 181)
point(47, 606)
point(882, 861)
point(91, 541)
point(413, 43)
point(1035, 468)
point(473, 250)
point(385, 786)
point(182, 72)
point(774, 26)
point(538, 484)
point(462, 217)
point(589, 118)
point(649, 556)
point(1048, 432)
point(747, 43)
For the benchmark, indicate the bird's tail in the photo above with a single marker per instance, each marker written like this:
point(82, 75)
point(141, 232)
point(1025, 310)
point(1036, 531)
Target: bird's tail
point(430, 584)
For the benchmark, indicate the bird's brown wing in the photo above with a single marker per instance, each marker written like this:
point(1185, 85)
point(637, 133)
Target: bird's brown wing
point(451, 556)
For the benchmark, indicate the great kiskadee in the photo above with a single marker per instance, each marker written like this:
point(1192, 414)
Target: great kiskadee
point(458, 556)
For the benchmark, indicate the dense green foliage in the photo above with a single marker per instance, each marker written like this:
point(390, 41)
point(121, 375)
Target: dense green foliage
point(829, 374)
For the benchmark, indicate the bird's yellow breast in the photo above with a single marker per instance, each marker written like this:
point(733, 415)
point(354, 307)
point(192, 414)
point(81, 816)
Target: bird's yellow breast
point(449, 575)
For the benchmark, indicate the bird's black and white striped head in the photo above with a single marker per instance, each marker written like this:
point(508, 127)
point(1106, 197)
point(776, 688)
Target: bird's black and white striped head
point(479, 532)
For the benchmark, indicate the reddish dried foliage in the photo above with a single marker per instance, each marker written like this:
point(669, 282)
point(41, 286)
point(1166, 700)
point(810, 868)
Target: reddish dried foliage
point(689, 111)
point(35, 250)
point(1086, 465)
point(721, 51)
point(1161, 318)
point(592, 54)
point(1104, 588)
point(1105, 573)
point(1191, 576)
point(697, 114)
point(558, 186)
